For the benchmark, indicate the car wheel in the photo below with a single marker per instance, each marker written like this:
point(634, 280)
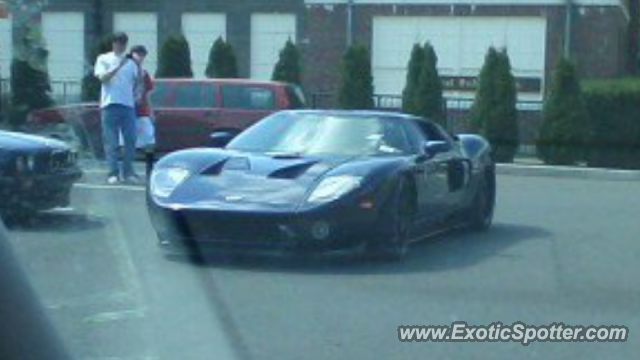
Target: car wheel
point(484, 201)
point(394, 244)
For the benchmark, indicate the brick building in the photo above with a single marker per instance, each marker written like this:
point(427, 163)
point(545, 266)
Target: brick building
point(535, 32)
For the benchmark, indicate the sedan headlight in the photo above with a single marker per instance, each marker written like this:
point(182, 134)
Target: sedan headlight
point(165, 180)
point(25, 163)
point(334, 187)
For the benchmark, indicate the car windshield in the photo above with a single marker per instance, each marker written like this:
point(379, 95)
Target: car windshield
point(335, 134)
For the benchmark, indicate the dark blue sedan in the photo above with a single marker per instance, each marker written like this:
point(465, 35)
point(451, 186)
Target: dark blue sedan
point(36, 173)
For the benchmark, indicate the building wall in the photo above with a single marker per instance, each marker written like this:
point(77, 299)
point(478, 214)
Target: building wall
point(599, 41)
point(321, 27)
point(169, 14)
point(602, 25)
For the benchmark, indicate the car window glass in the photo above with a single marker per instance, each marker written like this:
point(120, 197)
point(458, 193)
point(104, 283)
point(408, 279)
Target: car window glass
point(416, 136)
point(209, 95)
point(188, 96)
point(314, 134)
point(247, 97)
point(430, 131)
point(159, 96)
point(295, 97)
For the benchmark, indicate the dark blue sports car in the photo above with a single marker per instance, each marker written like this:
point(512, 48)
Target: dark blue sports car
point(317, 181)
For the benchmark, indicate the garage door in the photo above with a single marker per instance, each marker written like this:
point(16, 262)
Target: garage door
point(142, 29)
point(5, 47)
point(201, 30)
point(269, 33)
point(461, 45)
point(63, 33)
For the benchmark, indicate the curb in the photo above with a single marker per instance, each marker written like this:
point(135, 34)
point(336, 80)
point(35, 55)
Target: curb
point(568, 172)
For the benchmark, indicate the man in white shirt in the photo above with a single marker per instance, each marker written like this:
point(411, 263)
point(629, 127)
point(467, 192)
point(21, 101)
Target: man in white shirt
point(118, 75)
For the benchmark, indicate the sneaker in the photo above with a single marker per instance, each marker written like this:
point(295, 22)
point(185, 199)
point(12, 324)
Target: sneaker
point(112, 180)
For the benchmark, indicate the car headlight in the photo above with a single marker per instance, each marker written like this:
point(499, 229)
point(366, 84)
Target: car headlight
point(25, 163)
point(165, 180)
point(333, 187)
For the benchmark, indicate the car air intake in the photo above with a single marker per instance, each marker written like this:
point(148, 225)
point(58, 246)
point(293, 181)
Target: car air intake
point(291, 172)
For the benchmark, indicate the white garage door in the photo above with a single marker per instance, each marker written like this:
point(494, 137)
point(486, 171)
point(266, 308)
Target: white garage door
point(269, 33)
point(63, 33)
point(461, 45)
point(201, 30)
point(5, 47)
point(142, 29)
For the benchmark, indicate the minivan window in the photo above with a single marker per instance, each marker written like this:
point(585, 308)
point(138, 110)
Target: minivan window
point(188, 96)
point(159, 95)
point(209, 95)
point(248, 97)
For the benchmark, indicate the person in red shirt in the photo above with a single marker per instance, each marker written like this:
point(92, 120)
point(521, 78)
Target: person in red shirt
point(146, 139)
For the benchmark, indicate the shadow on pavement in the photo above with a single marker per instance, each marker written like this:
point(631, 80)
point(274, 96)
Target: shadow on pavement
point(55, 221)
point(452, 250)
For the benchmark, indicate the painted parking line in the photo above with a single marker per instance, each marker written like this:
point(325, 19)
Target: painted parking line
point(138, 188)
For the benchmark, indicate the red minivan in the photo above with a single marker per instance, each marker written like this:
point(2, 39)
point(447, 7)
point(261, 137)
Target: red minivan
point(186, 111)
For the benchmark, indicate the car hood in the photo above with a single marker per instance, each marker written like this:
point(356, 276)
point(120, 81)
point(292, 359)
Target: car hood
point(12, 141)
point(243, 181)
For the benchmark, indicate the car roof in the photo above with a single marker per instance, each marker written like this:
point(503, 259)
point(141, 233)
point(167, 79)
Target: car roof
point(222, 81)
point(358, 113)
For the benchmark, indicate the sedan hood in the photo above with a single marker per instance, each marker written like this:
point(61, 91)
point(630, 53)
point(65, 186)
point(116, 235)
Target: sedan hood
point(245, 181)
point(13, 141)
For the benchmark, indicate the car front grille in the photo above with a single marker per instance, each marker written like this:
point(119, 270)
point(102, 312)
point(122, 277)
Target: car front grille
point(54, 161)
point(214, 227)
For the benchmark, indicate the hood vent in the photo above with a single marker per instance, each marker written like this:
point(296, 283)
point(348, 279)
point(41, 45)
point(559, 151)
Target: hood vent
point(291, 172)
point(215, 169)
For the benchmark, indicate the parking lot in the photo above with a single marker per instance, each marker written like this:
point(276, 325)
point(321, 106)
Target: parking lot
point(561, 250)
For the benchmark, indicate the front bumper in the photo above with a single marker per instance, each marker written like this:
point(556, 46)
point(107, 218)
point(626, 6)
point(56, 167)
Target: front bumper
point(37, 192)
point(326, 229)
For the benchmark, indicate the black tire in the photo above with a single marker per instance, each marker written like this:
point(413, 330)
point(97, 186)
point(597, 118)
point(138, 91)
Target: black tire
point(394, 245)
point(484, 201)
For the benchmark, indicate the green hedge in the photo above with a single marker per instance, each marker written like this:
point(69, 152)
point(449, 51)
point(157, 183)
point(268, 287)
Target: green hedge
point(613, 136)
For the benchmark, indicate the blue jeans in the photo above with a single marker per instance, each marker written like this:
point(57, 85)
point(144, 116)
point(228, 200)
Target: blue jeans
point(116, 120)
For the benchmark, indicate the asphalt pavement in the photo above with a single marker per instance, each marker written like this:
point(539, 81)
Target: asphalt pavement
point(561, 250)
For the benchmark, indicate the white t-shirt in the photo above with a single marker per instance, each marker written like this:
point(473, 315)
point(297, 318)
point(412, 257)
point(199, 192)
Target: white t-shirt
point(120, 89)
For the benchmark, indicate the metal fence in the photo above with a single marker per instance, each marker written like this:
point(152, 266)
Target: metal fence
point(456, 109)
point(62, 91)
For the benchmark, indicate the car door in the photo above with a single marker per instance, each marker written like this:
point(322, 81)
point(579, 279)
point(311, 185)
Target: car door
point(427, 172)
point(452, 173)
point(245, 104)
point(188, 116)
point(430, 173)
point(458, 174)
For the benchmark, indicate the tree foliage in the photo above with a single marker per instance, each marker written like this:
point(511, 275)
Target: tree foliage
point(222, 61)
point(287, 68)
point(174, 59)
point(565, 119)
point(414, 68)
point(494, 113)
point(30, 83)
point(356, 79)
point(422, 95)
point(429, 100)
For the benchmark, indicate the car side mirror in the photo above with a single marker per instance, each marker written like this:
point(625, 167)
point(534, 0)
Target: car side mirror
point(220, 139)
point(435, 147)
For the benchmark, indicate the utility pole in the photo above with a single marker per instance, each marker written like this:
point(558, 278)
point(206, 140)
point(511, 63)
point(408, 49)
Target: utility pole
point(568, 28)
point(633, 37)
point(350, 6)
